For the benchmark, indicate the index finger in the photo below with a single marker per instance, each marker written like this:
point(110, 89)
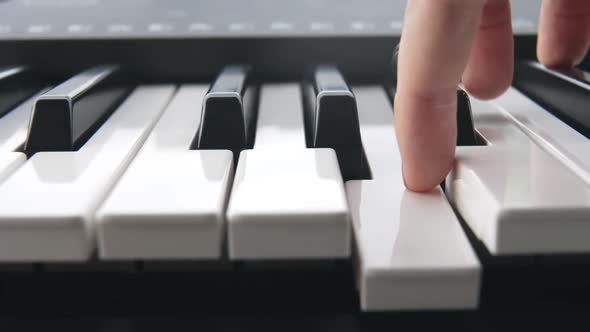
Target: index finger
point(434, 50)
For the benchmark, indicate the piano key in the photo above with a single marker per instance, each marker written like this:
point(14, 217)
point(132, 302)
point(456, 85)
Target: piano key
point(287, 201)
point(13, 132)
point(13, 126)
point(547, 131)
point(47, 206)
point(170, 202)
point(516, 197)
point(16, 85)
point(331, 119)
point(466, 135)
point(412, 252)
point(229, 111)
point(9, 162)
point(67, 115)
point(560, 92)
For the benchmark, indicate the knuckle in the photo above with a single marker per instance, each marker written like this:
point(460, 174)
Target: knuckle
point(429, 99)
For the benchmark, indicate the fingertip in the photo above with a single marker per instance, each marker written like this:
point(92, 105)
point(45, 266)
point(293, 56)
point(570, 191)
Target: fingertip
point(491, 62)
point(426, 131)
point(489, 88)
point(424, 180)
point(564, 32)
point(553, 57)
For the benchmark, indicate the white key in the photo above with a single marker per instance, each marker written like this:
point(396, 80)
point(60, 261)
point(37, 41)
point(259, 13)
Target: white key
point(10, 162)
point(170, 202)
point(287, 201)
point(413, 254)
point(515, 196)
point(13, 132)
point(47, 205)
point(545, 129)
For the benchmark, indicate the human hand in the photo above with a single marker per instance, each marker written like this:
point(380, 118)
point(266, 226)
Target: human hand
point(448, 41)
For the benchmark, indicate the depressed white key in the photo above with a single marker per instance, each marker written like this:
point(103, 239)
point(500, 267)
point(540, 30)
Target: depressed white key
point(412, 252)
point(13, 132)
point(287, 201)
point(170, 202)
point(515, 196)
point(47, 206)
point(548, 131)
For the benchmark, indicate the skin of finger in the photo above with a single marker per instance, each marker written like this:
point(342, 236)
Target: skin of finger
point(564, 32)
point(434, 49)
point(489, 69)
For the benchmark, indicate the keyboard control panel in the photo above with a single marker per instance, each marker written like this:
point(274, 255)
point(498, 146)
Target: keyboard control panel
point(84, 19)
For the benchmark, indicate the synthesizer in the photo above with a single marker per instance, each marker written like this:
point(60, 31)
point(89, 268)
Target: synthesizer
point(231, 156)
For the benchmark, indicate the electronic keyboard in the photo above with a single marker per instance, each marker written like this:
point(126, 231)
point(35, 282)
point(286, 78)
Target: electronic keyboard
point(206, 158)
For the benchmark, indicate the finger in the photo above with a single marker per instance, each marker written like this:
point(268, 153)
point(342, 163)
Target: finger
point(489, 69)
point(434, 49)
point(564, 32)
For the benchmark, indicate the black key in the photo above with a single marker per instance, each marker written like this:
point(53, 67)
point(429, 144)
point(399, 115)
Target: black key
point(16, 85)
point(565, 93)
point(65, 117)
point(228, 118)
point(466, 134)
point(331, 119)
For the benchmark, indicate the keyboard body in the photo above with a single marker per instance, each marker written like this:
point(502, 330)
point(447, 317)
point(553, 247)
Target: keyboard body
point(174, 51)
